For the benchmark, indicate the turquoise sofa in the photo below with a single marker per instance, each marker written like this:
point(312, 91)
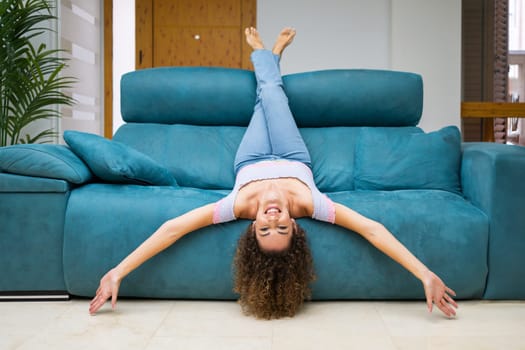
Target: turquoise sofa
point(69, 213)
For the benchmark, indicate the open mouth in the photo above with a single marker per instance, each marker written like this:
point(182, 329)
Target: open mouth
point(272, 210)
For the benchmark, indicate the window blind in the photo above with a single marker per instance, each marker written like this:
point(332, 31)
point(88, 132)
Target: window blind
point(81, 37)
point(501, 64)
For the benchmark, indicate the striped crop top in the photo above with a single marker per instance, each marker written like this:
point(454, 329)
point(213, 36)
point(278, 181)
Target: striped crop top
point(324, 209)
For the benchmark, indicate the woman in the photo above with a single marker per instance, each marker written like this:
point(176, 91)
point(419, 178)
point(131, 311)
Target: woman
point(274, 185)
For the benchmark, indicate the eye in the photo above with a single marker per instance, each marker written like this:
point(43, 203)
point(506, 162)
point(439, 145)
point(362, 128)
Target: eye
point(263, 229)
point(263, 232)
point(283, 228)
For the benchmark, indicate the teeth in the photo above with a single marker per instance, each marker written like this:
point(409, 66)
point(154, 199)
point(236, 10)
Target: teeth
point(272, 211)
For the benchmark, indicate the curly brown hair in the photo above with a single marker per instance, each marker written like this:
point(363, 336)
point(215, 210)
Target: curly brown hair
point(273, 284)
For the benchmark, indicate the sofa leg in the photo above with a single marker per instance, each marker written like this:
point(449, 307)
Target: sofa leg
point(34, 296)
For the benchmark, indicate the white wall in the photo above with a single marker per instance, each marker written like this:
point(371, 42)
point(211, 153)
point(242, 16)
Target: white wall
point(422, 36)
point(426, 39)
point(123, 50)
point(330, 33)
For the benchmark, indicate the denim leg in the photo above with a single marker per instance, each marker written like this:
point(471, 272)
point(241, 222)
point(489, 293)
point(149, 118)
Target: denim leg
point(255, 144)
point(285, 138)
point(272, 132)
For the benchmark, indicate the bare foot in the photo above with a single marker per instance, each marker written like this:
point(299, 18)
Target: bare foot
point(253, 39)
point(284, 39)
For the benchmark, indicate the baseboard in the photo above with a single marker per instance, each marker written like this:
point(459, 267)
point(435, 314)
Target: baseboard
point(47, 295)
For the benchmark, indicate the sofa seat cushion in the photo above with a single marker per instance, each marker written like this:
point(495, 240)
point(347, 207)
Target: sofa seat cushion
point(446, 232)
point(97, 237)
point(451, 241)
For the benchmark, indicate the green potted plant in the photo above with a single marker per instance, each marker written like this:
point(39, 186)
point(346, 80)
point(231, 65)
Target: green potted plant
point(31, 86)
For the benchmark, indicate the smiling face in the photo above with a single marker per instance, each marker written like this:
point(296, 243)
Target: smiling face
point(273, 227)
point(273, 224)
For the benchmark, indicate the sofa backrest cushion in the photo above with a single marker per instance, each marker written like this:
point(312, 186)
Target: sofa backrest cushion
point(355, 97)
point(222, 96)
point(188, 95)
point(197, 156)
point(192, 119)
point(393, 161)
point(203, 156)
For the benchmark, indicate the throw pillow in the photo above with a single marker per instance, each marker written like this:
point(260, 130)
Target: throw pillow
point(50, 161)
point(116, 162)
point(392, 161)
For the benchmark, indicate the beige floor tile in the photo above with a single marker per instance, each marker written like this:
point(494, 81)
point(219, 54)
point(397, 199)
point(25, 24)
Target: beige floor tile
point(154, 324)
point(212, 319)
point(21, 321)
point(411, 343)
point(130, 326)
point(460, 343)
point(30, 314)
point(404, 319)
point(474, 318)
point(207, 343)
point(140, 317)
point(332, 318)
point(333, 325)
point(112, 340)
point(333, 341)
point(477, 343)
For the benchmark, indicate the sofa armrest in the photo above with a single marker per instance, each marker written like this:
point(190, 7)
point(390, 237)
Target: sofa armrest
point(13, 183)
point(493, 179)
point(44, 161)
point(32, 211)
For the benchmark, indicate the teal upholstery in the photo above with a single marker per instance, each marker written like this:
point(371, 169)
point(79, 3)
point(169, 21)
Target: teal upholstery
point(455, 206)
point(356, 97)
point(219, 96)
point(492, 177)
point(394, 161)
point(199, 265)
point(452, 242)
point(116, 162)
point(51, 161)
point(32, 212)
point(195, 96)
point(15, 183)
point(333, 170)
point(208, 165)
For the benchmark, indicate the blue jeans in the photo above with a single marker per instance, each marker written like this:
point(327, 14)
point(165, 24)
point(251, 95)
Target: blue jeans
point(272, 132)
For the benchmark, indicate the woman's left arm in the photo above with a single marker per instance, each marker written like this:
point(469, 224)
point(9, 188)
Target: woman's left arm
point(435, 290)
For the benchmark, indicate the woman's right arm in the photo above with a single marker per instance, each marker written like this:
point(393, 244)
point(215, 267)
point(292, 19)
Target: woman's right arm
point(165, 236)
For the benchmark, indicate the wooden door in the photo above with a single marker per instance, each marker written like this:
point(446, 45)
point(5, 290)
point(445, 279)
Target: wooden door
point(193, 33)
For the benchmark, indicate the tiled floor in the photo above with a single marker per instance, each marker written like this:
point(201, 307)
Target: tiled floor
point(153, 324)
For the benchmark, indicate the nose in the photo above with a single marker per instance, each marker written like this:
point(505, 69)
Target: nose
point(273, 217)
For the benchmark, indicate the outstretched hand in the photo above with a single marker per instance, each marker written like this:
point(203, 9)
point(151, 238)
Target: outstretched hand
point(437, 293)
point(109, 286)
